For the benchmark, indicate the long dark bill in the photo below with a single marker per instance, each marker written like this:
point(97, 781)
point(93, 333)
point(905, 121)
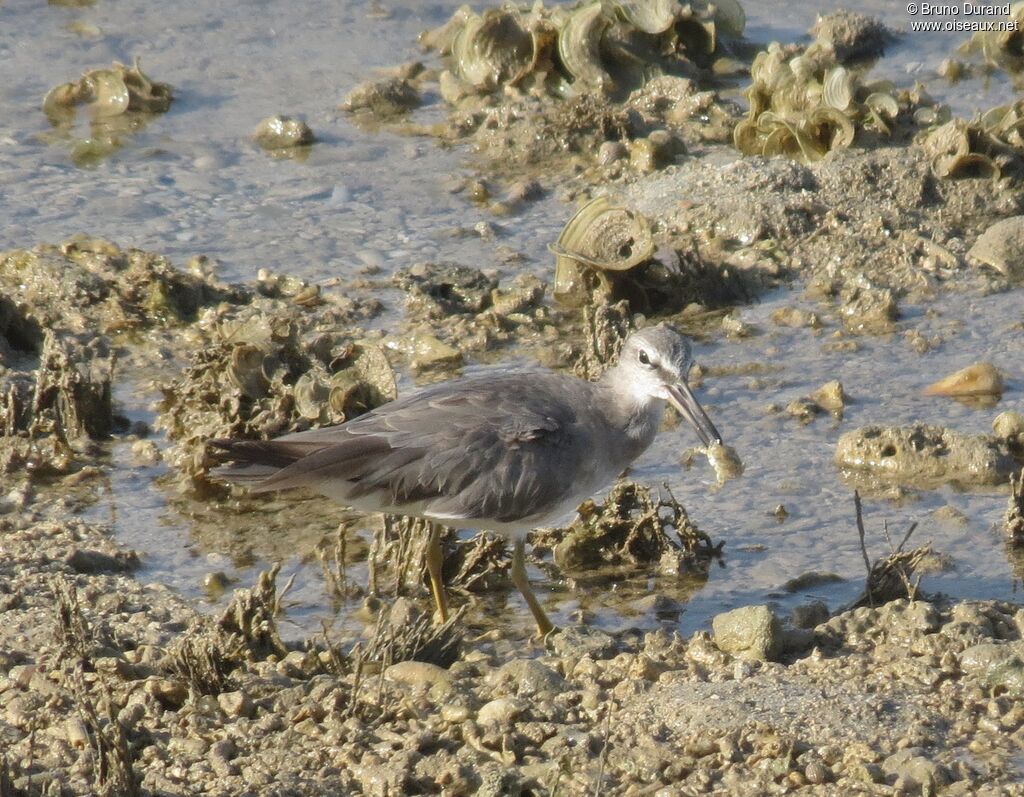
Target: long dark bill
point(682, 399)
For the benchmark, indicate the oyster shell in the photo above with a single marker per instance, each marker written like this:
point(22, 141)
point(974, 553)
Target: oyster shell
point(494, 49)
point(579, 45)
point(600, 237)
point(650, 16)
point(838, 89)
point(246, 370)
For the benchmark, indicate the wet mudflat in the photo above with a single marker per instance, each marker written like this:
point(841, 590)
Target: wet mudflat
point(226, 283)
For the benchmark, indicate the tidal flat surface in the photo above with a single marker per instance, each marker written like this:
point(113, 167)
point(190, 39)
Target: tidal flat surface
point(193, 183)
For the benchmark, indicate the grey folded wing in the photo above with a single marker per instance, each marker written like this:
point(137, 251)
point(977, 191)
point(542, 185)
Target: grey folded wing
point(495, 450)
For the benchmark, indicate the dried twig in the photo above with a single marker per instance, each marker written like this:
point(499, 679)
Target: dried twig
point(863, 545)
point(1013, 520)
point(889, 578)
point(599, 784)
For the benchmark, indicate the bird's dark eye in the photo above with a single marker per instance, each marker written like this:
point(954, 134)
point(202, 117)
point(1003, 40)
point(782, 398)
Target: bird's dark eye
point(644, 359)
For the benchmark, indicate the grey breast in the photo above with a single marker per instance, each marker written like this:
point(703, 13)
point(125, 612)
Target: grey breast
point(502, 447)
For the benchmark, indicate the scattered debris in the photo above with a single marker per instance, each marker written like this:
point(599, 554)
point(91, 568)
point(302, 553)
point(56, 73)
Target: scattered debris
point(889, 579)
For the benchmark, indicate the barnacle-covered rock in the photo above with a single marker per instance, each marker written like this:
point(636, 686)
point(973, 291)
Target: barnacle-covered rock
point(631, 528)
point(267, 368)
point(87, 285)
point(282, 132)
point(454, 309)
point(437, 290)
point(382, 99)
point(851, 35)
point(922, 456)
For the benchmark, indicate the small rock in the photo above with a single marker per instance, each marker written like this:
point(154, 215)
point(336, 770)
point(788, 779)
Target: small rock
point(812, 578)
point(809, 615)
point(575, 642)
point(145, 452)
point(501, 711)
point(223, 749)
point(429, 352)
point(851, 35)
point(1008, 425)
point(528, 677)
point(384, 99)
point(796, 317)
point(282, 132)
point(867, 309)
point(980, 379)
point(84, 560)
point(170, 692)
point(751, 631)
point(236, 704)
point(995, 665)
point(419, 674)
point(1001, 247)
point(830, 396)
point(916, 771)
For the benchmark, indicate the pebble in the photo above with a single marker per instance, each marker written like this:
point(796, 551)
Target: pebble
point(501, 711)
point(527, 677)
point(419, 674)
point(1008, 425)
point(169, 691)
point(751, 631)
point(236, 704)
point(979, 379)
point(1001, 247)
point(997, 665)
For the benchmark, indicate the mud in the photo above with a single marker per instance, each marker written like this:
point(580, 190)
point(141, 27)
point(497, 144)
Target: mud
point(114, 686)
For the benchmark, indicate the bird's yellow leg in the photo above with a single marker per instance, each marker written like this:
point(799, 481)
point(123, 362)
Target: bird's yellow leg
point(518, 574)
point(435, 562)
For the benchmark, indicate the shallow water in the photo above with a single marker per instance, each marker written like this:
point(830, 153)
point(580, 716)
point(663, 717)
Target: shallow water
point(192, 183)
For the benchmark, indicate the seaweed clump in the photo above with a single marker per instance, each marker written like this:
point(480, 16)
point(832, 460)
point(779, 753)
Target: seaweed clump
point(631, 529)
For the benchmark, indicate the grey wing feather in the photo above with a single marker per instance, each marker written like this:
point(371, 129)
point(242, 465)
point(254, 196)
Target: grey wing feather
point(486, 448)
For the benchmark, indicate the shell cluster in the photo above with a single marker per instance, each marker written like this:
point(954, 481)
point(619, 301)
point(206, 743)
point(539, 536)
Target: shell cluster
point(1000, 48)
point(118, 101)
point(985, 146)
point(804, 104)
point(108, 92)
point(608, 47)
point(277, 369)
